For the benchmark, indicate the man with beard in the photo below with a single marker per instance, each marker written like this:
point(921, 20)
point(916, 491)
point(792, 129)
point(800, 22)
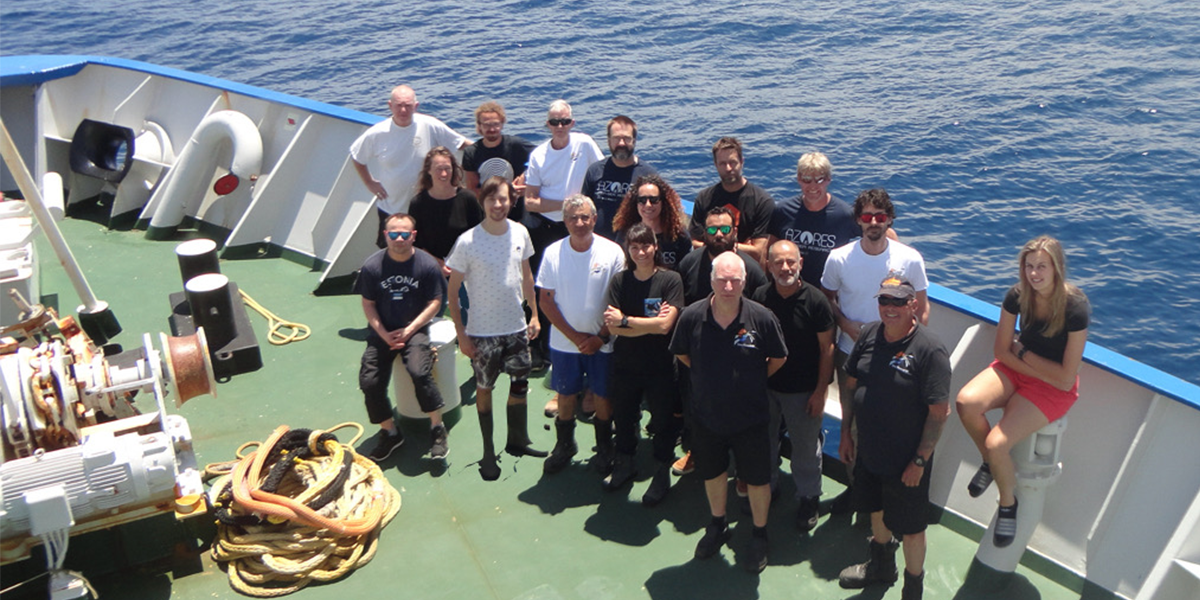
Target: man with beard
point(607, 181)
point(750, 205)
point(852, 276)
point(720, 235)
point(497, 154)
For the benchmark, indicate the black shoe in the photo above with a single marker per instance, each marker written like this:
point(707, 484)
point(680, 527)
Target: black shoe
point(438, 448)
point(980, 482)
point(488, 469)
point(623, 471)
point(880, 569)
point(914, 586)
point(1006, 526)
point(715, 536)
point(756, 555)
point(809, 512)
point(660, 484)
point(516, 450)
point(385, 445)
point(566, 448)
point(518, 433)
point(603, 460)
point(843, 503)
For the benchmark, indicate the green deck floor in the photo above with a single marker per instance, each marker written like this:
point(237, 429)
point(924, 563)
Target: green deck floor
point(524, 537)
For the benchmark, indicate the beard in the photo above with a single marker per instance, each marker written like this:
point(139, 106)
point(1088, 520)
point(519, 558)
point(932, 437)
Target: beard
point(716, 247)
point(622, 153)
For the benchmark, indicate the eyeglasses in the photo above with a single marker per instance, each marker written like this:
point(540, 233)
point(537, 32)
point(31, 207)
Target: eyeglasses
point(821, 179)
point(713, 229)
point(403, 235)
point(491, 124)
point(622, 138)
point(559, 122)
point(890, 301)
point(869, 218)
point(647, 199)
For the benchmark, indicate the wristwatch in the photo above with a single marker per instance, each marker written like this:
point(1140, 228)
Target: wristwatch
point(625, 321)
point(919, 461)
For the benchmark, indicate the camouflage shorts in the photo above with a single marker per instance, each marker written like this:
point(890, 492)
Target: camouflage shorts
point(509, 353)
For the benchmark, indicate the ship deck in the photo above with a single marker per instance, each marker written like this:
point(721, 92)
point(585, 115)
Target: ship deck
point(526, 536)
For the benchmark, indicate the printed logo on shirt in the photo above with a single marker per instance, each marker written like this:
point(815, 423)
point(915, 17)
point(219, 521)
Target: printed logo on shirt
point(652, 306)
point(902, 362)
point(668, 258)
point(811, 240)
point(597, 268)
point(746, 339)
point(399, 285)
point(737, 214)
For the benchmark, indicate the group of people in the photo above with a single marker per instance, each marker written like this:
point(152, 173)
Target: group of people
point(728, 326)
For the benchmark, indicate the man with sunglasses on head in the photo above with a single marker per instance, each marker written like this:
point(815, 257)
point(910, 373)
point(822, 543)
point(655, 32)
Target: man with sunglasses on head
point(750, 205)
point(607, 181)
point(851, 280)
point(815, 220)
point(402, 289)
point(388, 156)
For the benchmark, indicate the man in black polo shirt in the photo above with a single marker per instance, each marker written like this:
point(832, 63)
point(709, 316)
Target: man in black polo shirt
point(732, 345)
point(797, 391)
point(899, 376)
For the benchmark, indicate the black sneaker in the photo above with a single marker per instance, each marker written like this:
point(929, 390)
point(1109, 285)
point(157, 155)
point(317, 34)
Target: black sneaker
point(715, 536)
point(438, 448)
point(756, 555)
point(1006, 526)
point(385, 445)
point(980, 482)
point(806, 517)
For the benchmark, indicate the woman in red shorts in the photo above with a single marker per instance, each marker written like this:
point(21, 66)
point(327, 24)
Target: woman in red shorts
point(1034, 377)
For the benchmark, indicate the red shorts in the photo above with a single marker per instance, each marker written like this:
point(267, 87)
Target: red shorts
point(1053, 402)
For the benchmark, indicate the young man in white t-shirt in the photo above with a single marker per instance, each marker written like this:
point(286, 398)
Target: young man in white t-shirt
point(492, 259)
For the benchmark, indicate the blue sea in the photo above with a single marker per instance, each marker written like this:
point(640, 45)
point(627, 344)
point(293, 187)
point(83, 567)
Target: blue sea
point(988, 122)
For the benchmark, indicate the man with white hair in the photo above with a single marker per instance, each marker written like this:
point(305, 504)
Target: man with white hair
point(388, 156)
point(732, 346)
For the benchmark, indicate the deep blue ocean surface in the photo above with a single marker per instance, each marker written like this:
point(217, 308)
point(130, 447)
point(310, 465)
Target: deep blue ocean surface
point(988, 122)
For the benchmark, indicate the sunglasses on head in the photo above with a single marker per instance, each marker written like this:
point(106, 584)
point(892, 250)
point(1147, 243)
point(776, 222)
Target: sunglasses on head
point(557, 122)
point(890, 301)
point(647, 199)
point(403, 235)
point(873, 218)
point(713, 229)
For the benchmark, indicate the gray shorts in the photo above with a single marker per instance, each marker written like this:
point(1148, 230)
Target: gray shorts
point(509, 353)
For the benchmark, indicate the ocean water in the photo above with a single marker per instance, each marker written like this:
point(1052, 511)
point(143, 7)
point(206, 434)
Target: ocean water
point(988, 122)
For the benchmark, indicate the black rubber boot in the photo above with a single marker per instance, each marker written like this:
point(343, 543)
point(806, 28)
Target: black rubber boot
point(914, 586)
point(603, 461)
point(623, 471)
point(488, 469)
point(659, 485)
point(880, 569)
point(518, 433)
point(560, 457)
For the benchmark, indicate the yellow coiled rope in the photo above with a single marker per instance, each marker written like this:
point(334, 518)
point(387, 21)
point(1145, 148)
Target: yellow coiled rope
point(276, 326)
point(289, 544)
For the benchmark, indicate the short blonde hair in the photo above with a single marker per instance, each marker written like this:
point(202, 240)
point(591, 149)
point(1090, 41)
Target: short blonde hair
point(814, 163)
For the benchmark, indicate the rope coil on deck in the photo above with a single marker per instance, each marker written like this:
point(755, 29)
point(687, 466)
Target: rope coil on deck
point(301, 507)
point(276, 325)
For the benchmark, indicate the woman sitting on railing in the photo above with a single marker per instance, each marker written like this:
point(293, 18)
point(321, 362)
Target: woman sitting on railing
point(1033, 379)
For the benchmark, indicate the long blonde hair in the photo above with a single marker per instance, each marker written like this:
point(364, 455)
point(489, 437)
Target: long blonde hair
point(1058, 295)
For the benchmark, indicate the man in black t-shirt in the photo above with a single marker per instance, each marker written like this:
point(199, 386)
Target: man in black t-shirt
point(797, 391)
point(720, 235)
point(750, 205)
point(899, 375)
point(402, 290)
point(607, 181)
point(497, 154)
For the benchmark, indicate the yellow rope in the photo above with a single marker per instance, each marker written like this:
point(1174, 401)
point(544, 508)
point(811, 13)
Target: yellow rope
point(276, 325)
point(272, 560)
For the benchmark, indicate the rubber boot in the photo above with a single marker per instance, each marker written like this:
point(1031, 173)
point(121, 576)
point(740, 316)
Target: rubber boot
point(914, 586)
point(880, 569)
point(488, 469)
point(518, 433)
point(660, 484)
point(603, 461)
point(623, 472)
point(561, 455)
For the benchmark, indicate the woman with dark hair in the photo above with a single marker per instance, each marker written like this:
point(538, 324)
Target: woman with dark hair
point(643, 302)
point(652, 201)
point(442, 207)
point(1033, 378)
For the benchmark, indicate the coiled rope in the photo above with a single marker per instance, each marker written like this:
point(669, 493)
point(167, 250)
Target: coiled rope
point(299, 508)
point(276, 326)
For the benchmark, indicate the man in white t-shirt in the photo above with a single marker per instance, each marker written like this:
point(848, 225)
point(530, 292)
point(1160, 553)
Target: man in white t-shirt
point(851, 281)
point(388, 155)
point(492, 259)
point(574, 278)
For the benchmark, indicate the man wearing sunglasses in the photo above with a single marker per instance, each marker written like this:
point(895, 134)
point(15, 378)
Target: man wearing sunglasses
point(750, 205)
point(720, 235)
point(402, 289)
point(388, 156)
point(900, 373)
point(815, 221)
point(607, 181)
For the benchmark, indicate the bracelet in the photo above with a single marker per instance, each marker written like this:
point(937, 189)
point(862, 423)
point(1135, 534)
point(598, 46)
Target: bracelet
point(1021, 353)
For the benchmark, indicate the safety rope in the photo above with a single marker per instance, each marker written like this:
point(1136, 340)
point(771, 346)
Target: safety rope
point(299, 508)
point(276, 325)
